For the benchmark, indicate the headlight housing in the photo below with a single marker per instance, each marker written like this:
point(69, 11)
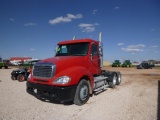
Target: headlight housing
point(16, 72)
point(62, 80)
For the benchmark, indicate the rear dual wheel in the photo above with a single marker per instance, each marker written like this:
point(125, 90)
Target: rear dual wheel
point(114, 79)
point(119, 79)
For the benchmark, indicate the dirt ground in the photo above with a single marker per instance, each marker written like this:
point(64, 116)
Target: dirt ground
point(136, 98)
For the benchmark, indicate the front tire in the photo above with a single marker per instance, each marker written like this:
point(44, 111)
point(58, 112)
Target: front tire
point(13, 77)
point(82, 93)
point(6, 67)
point(21, 78)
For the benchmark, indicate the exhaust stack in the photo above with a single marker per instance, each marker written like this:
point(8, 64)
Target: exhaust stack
point(74, 37)
point(100, 49)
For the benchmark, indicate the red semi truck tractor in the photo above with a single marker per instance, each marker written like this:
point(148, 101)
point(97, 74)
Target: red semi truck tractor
point(74, 74)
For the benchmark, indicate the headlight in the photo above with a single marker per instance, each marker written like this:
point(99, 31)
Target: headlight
point(17, 72)
point(62, 80)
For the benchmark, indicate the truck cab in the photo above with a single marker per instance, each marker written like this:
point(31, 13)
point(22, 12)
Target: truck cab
point(84, 51)
point(74, 74)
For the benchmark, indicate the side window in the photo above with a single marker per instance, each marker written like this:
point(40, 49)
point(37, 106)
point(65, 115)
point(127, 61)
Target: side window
point(62, 49)
point(94, 49)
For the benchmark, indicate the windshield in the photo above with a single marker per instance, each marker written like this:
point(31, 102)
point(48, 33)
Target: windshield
point(76, 49)
point(26, 62)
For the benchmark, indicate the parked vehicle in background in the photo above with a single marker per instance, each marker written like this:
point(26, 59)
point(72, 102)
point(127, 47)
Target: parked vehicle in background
point(5, 64)
point(15, 63)
point(145, 66)
point(23, 72)
point(127, 63)
point(1, 65)
point(19, 60)
point(116, 63)
point(28, 64)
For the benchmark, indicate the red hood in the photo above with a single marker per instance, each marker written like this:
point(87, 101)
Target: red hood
point(64, 62)
point(60, 59)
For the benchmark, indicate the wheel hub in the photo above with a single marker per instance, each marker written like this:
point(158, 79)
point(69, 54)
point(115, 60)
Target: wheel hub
point(83, 92)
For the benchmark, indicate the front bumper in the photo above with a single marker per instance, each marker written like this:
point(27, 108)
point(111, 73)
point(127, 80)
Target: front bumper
point(14, 75)
point(48, 92)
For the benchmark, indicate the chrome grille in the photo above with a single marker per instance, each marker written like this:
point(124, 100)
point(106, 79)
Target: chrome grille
point(44, 70)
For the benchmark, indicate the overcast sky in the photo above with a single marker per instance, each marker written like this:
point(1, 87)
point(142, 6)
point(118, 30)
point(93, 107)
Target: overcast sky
point(130, 28)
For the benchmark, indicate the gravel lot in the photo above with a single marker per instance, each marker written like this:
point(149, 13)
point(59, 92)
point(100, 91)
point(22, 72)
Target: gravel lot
point(136, 98)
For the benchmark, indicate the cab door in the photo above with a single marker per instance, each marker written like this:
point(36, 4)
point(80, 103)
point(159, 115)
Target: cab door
point(94, 59)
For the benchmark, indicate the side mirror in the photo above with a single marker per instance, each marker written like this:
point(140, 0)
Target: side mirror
point(91, 56)
point(55, 50)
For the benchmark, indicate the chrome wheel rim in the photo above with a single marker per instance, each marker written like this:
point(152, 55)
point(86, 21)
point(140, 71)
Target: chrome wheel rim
point(84, 92)
point(114, 79)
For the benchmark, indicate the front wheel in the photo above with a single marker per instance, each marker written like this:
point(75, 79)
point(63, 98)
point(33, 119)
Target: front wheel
point(21, 78)
point(13, 77)
point(82, 93)
point(6, 67)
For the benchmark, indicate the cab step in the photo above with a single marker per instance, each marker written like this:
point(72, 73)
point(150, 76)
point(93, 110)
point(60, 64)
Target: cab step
point(101, 88)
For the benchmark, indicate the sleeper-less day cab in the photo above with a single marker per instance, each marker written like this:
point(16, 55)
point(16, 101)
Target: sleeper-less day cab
point(74, 74)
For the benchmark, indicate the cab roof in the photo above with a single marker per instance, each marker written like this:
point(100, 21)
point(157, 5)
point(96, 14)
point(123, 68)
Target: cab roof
point(77, 41)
